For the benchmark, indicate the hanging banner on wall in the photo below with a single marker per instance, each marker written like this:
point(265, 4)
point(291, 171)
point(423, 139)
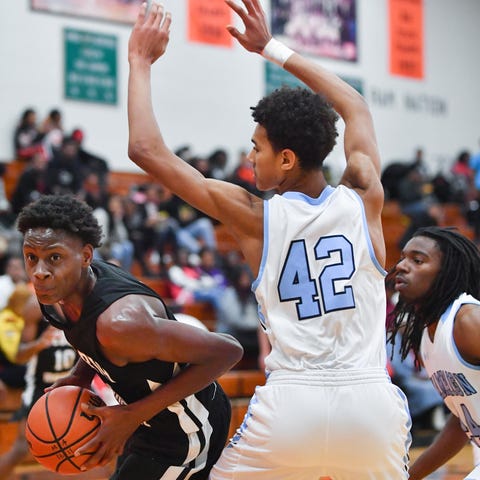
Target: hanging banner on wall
point(276, 77)
point(90, 66)
point(207, 20)
point(124, 11)
point(325, 28)
point(406, 38)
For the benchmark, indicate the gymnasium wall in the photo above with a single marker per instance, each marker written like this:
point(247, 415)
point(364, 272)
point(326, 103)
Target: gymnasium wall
point(202, 94)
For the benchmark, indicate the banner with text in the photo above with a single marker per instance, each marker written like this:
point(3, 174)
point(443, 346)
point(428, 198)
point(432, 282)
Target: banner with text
point(406, 38)
point(90, 66)
point(207, 20)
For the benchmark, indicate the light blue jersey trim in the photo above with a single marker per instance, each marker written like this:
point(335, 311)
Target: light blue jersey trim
point(444, 316)
point(266, 213)
point(367, 235)
point(326, 192)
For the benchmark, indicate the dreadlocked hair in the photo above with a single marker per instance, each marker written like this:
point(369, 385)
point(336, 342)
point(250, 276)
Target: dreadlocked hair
point(459, 273)
point(61, 212)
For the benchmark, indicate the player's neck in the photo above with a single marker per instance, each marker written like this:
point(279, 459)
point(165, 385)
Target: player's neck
point(310, 183)
point(73, 305)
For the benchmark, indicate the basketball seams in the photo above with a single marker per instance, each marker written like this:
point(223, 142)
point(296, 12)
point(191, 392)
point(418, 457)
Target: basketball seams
point(62, 459)
point(70, 445)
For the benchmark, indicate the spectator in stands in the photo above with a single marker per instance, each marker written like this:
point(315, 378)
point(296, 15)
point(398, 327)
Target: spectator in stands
point(163, 220)
point(391, 177)
point(7, 219)
point(53, 121)
point(14, 275)
point(417, 202)
point(462, 176)
point(11, 327)
point(202, 165)
point(27, 136)
point(237, 313)
point(32, 182)
point(190, 283)
point(92, 192)
point(64, 172)
point(116, 244)
point(52, 133)
point(244, 175)
point(196, 230)
point(135, 215)
point(40, 351)
point(169, 220)
point(89, 161)
point(218, 162)
point(184, 152)
point(209, 265)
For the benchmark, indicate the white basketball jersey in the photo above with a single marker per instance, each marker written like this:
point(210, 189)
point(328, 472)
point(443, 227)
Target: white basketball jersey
point(320, 290)
point(457, 381)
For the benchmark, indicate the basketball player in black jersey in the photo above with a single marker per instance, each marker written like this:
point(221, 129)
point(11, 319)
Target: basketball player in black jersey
point(48, 356)
point(172, 419)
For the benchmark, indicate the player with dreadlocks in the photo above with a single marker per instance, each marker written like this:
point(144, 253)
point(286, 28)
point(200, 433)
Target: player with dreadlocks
point(438, 311)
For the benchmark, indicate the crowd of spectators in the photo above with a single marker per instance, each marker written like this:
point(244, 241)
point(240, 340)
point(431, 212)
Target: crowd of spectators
point(148, 231)
point(422, 195)
point(154, 234)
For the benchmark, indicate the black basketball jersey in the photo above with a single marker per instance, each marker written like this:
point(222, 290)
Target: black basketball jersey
point(180, 434)
point(47, 366)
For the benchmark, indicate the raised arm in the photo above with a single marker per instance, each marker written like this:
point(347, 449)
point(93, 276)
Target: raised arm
point(359, 137)
point(362, 172)
point(147, 148)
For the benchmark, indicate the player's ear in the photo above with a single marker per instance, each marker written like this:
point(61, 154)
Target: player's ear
point(87, 254)
point(289, 159)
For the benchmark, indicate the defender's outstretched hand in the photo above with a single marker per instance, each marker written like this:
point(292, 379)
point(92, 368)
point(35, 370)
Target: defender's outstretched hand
point(150, 34)
point(257, 33)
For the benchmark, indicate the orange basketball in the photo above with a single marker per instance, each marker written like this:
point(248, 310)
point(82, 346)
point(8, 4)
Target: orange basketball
point(57, 427)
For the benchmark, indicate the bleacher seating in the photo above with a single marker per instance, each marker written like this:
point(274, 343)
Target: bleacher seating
point(240, 385)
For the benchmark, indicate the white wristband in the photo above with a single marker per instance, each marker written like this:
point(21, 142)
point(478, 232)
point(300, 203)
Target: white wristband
point(277, 52)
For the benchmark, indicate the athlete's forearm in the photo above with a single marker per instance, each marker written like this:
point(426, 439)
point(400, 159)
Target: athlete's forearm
point(446, 445)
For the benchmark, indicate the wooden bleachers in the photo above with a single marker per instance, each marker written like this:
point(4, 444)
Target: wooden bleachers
point(13, 171)
point(10, 402)
point(240, 385)
point(395, 224)
point(121, 183)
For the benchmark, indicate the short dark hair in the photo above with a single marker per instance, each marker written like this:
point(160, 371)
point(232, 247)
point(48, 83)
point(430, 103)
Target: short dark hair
point(300, 120)
point(61, 212)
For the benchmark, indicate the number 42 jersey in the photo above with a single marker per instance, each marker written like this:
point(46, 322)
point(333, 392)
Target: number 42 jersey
point(320, 289)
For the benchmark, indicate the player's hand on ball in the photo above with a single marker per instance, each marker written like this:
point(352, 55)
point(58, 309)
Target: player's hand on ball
point(68, 380)
point(117, 425)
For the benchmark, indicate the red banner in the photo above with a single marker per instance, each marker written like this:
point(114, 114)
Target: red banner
point(207, 20)
point(406, 38)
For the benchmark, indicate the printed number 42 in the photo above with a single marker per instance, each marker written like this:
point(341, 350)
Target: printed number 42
point(297, 285)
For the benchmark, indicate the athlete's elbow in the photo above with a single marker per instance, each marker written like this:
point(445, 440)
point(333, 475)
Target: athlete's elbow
point(138, 150)
point(232, 352)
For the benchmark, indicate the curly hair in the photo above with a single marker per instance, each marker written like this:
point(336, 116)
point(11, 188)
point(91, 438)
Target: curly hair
point(459, 273)
point(300, 120)
point(61, 212)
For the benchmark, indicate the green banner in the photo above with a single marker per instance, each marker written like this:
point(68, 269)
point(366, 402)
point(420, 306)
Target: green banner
point(90, 66)
point(276, 77)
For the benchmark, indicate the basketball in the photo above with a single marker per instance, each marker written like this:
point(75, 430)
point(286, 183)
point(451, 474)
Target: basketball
point(56, 427)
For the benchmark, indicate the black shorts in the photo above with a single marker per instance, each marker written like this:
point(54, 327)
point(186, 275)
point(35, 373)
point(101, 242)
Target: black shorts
point(148, 466)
